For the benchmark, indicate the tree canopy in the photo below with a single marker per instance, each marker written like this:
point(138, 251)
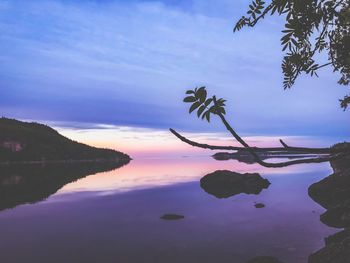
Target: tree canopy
point(311, 27)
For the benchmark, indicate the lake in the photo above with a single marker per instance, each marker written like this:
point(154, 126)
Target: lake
point(114, 216)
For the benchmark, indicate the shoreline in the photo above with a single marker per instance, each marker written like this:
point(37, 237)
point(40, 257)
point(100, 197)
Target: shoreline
point(116, 160)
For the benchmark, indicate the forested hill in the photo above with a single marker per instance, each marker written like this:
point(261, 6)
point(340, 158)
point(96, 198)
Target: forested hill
point(24, 141)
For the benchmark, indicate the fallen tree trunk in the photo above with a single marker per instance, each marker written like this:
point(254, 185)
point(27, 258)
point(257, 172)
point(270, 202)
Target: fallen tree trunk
point(332, 154)
point(286, 148)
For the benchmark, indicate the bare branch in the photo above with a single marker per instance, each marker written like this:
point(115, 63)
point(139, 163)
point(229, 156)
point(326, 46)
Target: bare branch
point(203, 145)
point(286, 148)
point(272, 165)
point(284, 144)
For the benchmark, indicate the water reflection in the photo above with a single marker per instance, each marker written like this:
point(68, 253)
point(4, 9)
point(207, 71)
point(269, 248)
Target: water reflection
point(146, 173)
point(108, 216)
point(30, 183)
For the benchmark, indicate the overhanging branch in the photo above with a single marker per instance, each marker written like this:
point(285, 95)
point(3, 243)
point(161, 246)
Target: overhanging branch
point(285, 147)
point(256, 149)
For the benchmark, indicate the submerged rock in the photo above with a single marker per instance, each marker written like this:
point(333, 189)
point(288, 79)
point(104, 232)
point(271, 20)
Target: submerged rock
point(224, 183)
point(264, 259)
point(259, 205)
point(172, 217)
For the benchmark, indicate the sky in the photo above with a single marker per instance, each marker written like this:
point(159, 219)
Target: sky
point(83, 64)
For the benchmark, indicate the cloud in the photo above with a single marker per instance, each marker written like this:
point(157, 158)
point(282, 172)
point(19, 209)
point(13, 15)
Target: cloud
point(129, 62)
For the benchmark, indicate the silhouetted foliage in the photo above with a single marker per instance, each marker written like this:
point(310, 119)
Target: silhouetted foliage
point(205, 106)
point(312, 26)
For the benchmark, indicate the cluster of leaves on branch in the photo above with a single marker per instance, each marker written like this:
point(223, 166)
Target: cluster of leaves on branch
point(312, 26)
point(204, 106)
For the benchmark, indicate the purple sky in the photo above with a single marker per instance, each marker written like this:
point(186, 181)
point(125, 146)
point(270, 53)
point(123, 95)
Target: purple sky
point(129, 63)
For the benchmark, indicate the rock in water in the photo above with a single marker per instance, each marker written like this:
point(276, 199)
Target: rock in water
point(172, 217)
point(338, 216)
point(332, 190)
point(264, 259)
point(224, 183)
point(333, 193)
point(259, 205)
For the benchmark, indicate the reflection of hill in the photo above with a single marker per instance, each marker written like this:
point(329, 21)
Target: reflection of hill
point(29, 183)
point(333, 193)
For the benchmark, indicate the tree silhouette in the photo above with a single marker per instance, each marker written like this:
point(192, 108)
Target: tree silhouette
point(311, 27)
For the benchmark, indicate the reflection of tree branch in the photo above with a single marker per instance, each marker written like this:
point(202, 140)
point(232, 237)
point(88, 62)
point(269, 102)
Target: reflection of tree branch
point(274, 165)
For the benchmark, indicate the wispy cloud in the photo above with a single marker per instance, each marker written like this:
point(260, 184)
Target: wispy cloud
point(129, 62)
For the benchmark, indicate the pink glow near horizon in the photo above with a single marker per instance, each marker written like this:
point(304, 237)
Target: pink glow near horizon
point(138, 142)
point(161, 159)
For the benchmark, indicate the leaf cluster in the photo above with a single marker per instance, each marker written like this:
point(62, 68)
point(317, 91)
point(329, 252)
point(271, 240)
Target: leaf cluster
point(205, 106)
point(311, 27)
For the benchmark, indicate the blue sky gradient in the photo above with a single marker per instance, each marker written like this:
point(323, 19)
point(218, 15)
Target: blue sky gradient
point(130, 62)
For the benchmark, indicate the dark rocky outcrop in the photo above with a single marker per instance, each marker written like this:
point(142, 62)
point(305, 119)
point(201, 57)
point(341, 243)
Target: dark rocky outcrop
point(264, 259)
point(172, 217)
point(337, 249)
point(333, 193)
point(332, 190)
point(338, 216)
point(224, 183)
point(338, 237)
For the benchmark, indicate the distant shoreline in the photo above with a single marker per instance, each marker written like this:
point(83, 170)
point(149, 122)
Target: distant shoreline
point(116, 160)
point(35, 143)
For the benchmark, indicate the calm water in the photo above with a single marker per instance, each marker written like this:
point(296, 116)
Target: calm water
point(113, 216)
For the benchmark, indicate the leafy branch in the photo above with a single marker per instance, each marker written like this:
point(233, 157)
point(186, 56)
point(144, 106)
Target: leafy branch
point(311, 27)
point(205, 106)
